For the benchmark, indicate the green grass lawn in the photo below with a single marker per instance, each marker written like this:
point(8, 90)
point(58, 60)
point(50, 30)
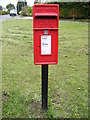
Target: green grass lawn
point(68, 81)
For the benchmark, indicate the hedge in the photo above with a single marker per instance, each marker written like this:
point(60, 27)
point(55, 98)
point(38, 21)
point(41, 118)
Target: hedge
point(75, 10)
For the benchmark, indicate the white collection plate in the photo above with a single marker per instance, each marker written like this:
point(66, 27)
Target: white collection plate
point(46, 45)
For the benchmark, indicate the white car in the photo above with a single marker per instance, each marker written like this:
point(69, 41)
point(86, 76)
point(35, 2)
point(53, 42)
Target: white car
point(13, 12)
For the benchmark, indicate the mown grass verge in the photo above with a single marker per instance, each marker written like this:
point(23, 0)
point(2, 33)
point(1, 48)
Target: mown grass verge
point(68, 81)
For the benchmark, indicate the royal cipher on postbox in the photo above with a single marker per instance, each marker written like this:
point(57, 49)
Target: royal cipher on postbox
point(45, 33)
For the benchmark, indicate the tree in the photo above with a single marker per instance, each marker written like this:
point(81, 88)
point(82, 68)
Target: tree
point(10, 7)
point(20, 5)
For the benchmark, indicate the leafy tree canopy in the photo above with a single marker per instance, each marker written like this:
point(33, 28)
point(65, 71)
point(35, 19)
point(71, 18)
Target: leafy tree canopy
point(10, 7)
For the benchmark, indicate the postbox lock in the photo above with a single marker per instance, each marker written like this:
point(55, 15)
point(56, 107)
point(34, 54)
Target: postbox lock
point(45, 32)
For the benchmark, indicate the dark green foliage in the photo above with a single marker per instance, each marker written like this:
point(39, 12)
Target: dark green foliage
point(0, 7)
point(73, 9)
point(10, 7)
point(37, 2)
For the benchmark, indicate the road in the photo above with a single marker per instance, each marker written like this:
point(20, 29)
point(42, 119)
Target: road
point(8, 17)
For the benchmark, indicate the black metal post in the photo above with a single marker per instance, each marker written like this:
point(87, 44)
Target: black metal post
point(44, 87)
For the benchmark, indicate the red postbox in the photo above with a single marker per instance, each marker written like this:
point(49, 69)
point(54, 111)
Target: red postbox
point(45, 33)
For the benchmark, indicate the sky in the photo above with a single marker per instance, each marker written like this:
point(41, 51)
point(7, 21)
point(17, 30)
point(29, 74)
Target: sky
point(5, 2)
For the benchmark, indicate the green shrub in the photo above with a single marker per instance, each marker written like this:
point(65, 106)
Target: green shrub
point(24, 12)
point(30, 11)
point(4, 12)
point(27, 11)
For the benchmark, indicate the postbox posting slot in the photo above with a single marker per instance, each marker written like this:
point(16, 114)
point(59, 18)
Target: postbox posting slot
point(46, 17)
